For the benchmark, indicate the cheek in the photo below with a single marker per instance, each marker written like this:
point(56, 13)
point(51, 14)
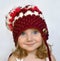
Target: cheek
point(21, 42)
point(39, 40)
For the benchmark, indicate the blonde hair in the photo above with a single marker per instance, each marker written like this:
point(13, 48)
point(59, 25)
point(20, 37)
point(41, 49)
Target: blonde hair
point(41, 52)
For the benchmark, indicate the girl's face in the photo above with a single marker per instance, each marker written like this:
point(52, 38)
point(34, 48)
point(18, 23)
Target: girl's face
point(30, 39)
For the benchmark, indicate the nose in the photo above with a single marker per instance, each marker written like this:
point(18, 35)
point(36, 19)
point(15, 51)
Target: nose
point(29, 38)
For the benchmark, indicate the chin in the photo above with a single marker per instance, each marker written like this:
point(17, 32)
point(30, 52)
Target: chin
point(30, 50)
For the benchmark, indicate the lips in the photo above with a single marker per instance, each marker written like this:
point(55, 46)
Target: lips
point(30, 44)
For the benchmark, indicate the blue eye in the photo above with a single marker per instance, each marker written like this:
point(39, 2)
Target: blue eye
point(35, 32)
point(23, 33)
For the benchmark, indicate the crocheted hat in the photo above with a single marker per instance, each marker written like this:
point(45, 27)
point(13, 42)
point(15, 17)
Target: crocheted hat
point(20, 19)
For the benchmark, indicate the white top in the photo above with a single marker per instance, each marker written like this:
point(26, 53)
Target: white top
point(22, 59)
point(19, 59)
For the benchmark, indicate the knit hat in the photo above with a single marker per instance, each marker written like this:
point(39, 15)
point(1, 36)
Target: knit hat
point(20, 19)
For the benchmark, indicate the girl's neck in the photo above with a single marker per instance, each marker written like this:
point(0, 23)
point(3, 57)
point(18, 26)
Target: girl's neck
point(32, 53)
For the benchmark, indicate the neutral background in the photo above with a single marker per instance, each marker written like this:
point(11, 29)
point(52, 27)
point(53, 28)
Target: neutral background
point(51, 12)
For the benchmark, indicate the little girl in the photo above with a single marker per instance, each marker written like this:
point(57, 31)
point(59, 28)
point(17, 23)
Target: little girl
point(30, 34)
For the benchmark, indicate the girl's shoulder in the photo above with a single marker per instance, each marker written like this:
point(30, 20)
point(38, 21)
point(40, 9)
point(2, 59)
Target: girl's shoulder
point(53, 57)
point(12, 58)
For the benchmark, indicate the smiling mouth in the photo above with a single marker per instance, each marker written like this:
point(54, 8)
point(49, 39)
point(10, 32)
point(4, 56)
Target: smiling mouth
point(30, 44)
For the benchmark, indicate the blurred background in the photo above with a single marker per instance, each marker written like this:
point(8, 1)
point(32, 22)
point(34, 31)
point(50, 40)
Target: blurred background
point(51, 12)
